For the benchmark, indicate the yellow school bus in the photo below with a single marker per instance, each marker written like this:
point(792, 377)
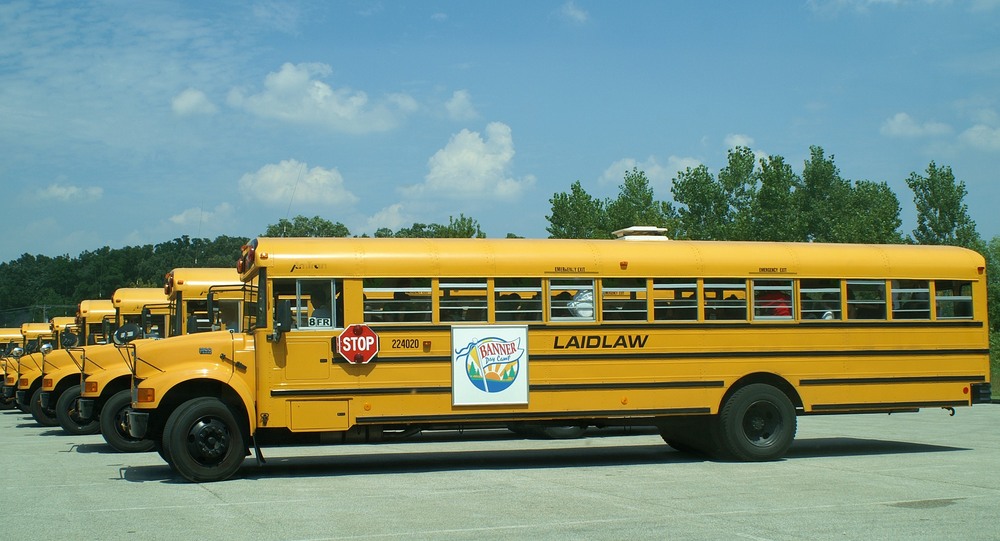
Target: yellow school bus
point(720, 345)
point(61, 370)
point(104, 374)
point(10, 338)
point(40, 340)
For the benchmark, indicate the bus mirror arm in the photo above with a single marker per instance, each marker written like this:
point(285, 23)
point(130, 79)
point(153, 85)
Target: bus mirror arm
point(282, 319)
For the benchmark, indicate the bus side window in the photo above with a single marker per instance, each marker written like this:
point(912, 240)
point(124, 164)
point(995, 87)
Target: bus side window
point(953, 299)
point(675, 299)
point(623, 299)
point(820, 299)
point(725, 299)
point(462, 299)
point(517, 299)
point(397, 300)
point(911, 299)
point(772, 299)
point(866, 299)
point(571, 299)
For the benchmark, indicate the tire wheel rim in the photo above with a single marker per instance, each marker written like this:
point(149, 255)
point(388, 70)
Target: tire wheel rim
point(208, 440)
point(762, 424)
point(121, 424)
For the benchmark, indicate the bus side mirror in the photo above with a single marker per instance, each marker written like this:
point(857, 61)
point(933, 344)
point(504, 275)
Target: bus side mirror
point(126, 333)
point(68, 339)
point(282, 319)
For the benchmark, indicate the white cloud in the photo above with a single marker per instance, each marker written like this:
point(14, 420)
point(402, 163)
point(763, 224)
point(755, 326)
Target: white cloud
point(75, 194)
point(982, 137)
point(291, 181)
point(296, 94)
point(903, 125)
point(192, 102)
point(460, 106)
point(393, 217)
point(197, 216)
point(734, 140)
point(658, 175)
point(471, 167)
point(439, 17)
point(571, 13)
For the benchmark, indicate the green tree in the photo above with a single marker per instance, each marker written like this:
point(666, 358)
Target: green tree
point(635, 205)
point(703, 209)
point(300, 226)
point(870, 215)
point(738, 183)
point(577, 215)
point(718, 208)
point(942, 215)
point(462, 227)
point(822, 197)
point(774, 215)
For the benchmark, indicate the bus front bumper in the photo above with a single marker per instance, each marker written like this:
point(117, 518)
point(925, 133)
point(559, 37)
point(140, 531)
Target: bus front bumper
point(85, 408)
point(45, 398)
point(138, 423)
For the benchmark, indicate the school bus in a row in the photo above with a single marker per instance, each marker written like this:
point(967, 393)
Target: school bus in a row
point(720, 345)
point(103, 378)
point(10, 339)
point(39, 340)
point(96, 319)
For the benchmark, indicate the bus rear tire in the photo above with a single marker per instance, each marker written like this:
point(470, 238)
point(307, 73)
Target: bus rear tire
point(69, 416)
point(756, 424)
point(203, 441)
point(113, 426)
point(43, 416)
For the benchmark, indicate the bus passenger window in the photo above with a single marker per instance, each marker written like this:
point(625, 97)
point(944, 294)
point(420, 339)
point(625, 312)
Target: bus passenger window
point(397, 300)
point(865, 299)
point(953, 299)
point(675, 299)
point(623, 299)
point(772, 299)
point(571, 299)
point(725, 299)
point(911, 299)
point(820, 299)
point(518, 299)
point(462, 299)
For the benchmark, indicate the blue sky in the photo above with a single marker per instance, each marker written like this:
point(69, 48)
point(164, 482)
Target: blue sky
point(125, 123)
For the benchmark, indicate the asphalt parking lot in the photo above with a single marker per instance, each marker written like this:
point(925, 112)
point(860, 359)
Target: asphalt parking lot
point(907, 476)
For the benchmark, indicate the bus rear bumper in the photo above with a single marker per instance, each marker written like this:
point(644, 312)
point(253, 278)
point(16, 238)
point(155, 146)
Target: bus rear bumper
point(138, 423)
point(981, 393)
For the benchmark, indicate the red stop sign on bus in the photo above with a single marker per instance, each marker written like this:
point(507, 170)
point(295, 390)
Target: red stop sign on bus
point(358, 344)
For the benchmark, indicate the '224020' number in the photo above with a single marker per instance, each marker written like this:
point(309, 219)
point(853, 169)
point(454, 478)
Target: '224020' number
point(405, 343)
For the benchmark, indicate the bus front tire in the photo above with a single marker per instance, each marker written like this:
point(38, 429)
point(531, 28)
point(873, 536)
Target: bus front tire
point(756, 424)
point(113, 426)
point(43, 416)
point(69, 416)
point(203, 442)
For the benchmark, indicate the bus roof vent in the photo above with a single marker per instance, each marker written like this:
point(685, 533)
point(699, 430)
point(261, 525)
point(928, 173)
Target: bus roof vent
point(642, 232)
